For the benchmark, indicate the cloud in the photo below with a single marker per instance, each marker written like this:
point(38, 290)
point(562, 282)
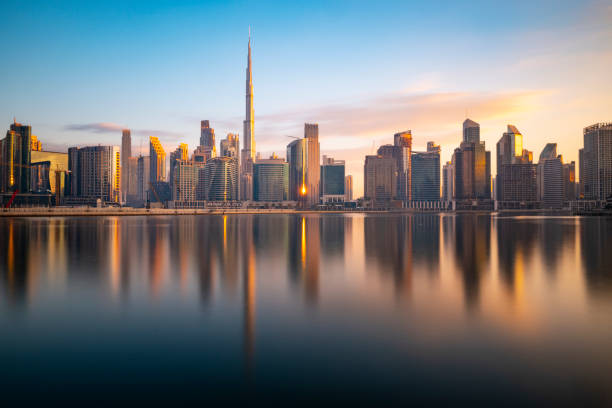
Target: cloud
point(109, 127)
point(101, 127)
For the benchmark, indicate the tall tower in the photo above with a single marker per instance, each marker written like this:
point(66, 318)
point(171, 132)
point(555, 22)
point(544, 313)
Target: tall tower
point(249, 121)
point(126, 153)
point(247, 156)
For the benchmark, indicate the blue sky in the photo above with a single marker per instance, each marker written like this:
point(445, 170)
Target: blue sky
point(79, 70)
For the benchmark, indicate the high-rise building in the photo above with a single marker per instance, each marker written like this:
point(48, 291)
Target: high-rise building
point(596, 162)
point(47, 169)
point(425, 177)
point(447, 181)
point(248, 152)
point(157, 157)
point(36, 144)
point(516, 180)
point(550, 177)
point(380, 179)
point(332, 180)
point(271, 180)
point(144, 172)
point(15, 159)
point(207, 139)
point(348, 188)
point(403, 154)
point(472, 166)
point(569, 181)
point(185, 180)
point(297, 155)
point(313, 168)
point(126, 153)
point(230, 146)
point(179, 155)
point(132, 188)
point(96, 172)
point(218, 180)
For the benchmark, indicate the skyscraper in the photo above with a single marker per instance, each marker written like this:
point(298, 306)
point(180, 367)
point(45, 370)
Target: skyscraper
point(297, 155)
point(157, 160)
point(403, 154)
point(230, 146)
point(177, 156)
point(96, 172)
point(425, 177)
point(550, 177)
point(472, 166)
point(185, 180)
point(126, 153)
point(313, 168)
point(15, 157)
point(516, 182)
point(596, 162)
point(569, 181)
point(447, 182)
point(144, 172)
point(207, 139)
point(218, 180)
point(348, 188)
point(271, 180)
point(380, 179)
point(332, 180)
point(248, 152)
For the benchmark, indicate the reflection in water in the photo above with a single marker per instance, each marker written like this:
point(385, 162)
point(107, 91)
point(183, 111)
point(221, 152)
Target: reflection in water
point(219, 280)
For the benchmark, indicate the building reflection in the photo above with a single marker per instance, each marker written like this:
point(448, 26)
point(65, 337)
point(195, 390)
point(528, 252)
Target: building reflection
point(596, 250)
point(388, 247)
point(516, 241)
point(426, 241)
point(249, 294)
point(470, 234)
point(14, 245)
point(304, 255)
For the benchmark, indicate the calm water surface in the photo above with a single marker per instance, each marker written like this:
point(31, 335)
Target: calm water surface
point(349, 308)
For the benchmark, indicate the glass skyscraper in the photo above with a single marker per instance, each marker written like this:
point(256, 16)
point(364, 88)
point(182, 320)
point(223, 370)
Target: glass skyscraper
point(271, 180)
point(426, 174)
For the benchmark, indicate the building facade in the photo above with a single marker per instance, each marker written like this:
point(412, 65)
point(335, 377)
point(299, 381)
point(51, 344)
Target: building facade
point(230, 146)
point(380, 180)
point(15, 157)
point(297, 155)
point(96, 172)
point(596, 162)
point(218, 180)
point(332, 180)
point(157, 158)
point(425, 179)
point(472, 166)
point(126, 154)
point(448, 181)
point(402, 142)
point(313, 164)
point(271, 180)
point(348, 188)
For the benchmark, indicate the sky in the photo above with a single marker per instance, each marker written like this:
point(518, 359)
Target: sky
point(79, 71)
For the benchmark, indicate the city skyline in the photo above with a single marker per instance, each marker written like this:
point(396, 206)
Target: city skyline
point(547, 91)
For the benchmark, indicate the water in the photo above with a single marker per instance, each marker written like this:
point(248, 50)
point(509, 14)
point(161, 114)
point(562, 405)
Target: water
point(454, 309)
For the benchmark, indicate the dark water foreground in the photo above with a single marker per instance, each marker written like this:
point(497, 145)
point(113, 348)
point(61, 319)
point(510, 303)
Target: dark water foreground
point(454, 309)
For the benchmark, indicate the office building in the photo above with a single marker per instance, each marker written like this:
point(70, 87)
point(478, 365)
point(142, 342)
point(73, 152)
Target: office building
point(271, 180)
point(332, 180)
point(550, 184)
point(132, 188)
point(516, 181)
point(230, 146)
point(178, 155)
point(185, 180)
point(313, 164)
point(569, 181)
point(126, 153)
point(143, 171)
point(207, 140)
point(471, 166)
point(596, 162)
point(218, 180)
point(157, 157)
point(297, 155)
point(447, 182)
point(47, 169)
point(380, 180)
point(348, 188)
point(425, 177)
point(402, 152)
point(36, 145)
point(15, 158)
point(95, 172)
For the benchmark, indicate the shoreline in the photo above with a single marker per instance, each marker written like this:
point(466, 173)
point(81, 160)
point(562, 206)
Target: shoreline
point(107, 212)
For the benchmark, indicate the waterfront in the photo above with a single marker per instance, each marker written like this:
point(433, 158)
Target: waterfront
point(412, 307)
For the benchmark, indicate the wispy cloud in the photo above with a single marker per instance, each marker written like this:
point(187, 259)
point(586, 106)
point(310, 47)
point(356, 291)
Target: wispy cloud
point(110, 127)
